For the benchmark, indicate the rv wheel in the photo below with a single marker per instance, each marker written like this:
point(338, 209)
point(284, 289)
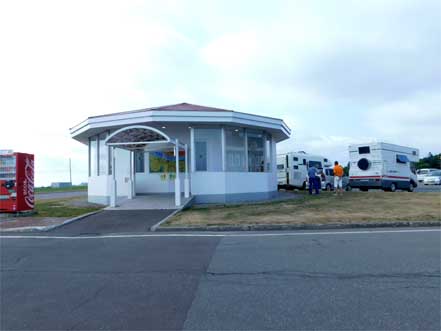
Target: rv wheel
point(411, 187)
point(304, 186)
point(328, 187)
point(348, 188)
point(392, 187)
point(364, 189)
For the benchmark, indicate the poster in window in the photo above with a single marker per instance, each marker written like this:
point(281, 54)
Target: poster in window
point(165, 162)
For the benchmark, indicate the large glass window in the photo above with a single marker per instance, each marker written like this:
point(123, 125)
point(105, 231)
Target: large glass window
point(139, 161)
point(235, 149)
point(256, 151)
point(208, 149)
point(93, 156)
point(268, 152)
point(102, 155)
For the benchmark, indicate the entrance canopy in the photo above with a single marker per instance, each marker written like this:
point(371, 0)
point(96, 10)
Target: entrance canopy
point(142, 137)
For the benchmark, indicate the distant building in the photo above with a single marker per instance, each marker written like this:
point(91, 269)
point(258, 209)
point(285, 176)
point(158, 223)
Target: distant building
point(61, 184)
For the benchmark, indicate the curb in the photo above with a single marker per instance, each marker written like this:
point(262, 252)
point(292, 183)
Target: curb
point(156, 226)
point(49, 227)
point(270, 227)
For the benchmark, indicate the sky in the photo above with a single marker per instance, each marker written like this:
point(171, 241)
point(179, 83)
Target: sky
point(338, 72)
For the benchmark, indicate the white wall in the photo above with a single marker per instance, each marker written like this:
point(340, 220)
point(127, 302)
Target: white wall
point(152, 183)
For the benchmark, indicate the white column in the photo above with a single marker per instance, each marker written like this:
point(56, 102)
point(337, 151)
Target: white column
point(130, 190)
point(223, 150)
point(113, 188)
point(186, 179)
point(192, 151)
point(177, 179)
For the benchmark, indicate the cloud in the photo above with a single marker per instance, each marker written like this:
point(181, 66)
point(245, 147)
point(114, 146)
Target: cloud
point(338, 73)
point(414, 121)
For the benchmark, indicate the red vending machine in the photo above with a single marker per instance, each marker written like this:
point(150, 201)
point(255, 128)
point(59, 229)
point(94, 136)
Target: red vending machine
point(16, 182)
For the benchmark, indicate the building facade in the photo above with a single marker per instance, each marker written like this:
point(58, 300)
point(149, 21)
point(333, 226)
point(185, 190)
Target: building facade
point(215, 155)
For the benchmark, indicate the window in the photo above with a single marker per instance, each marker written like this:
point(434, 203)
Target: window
point(166, 162)
point(280, 167)
point(325, 160)
point(208, 149)
point(93, 156)
point(296, 167)
point(364, 150)
point(139, 161)
point(256, 156)
point(329, 172)
point(304, 161)
point(102, 155)
point(295, 158)
point(201, 155)
point(235, 149)
point(402, 159)
point(316, 164)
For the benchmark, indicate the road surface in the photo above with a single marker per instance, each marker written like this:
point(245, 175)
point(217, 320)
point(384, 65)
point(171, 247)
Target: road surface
point(353, 280)
point(60, 195)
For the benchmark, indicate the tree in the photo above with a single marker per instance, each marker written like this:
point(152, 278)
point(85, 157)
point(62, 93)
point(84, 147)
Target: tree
point(431, 161)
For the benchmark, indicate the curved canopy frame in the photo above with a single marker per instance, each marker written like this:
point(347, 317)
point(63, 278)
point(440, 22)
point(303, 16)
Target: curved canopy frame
point(137, 137)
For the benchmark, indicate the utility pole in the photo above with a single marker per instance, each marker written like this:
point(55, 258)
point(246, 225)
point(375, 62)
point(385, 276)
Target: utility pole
point(70, 172)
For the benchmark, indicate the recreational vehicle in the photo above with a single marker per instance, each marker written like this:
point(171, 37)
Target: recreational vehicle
point(382, 166)
point(292, 168)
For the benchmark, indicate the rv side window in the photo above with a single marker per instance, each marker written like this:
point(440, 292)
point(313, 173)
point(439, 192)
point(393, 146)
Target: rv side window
point(280, 167)
point(325, 160)
point(295, 158)
point(402, 159)
point(295, 167)
point(364, 150)
point(304, 161)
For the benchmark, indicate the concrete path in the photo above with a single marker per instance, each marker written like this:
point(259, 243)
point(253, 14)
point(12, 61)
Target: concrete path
point(150, 201)
point(327, 280)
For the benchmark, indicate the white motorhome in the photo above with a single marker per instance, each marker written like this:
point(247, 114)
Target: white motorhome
point(384, 166)
point(292, 168)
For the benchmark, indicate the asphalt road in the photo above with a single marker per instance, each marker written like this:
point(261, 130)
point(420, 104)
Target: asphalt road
point(60, 195)
point(341, 280)
point(428, 188)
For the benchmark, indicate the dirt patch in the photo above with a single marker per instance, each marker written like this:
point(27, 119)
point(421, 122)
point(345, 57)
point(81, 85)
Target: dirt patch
point(352, 207)
point(50, 212)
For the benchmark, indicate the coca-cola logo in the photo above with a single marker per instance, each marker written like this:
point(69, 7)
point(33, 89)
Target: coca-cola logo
point(28, 184)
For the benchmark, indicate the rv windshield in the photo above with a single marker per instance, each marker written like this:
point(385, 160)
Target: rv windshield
point(316, 164)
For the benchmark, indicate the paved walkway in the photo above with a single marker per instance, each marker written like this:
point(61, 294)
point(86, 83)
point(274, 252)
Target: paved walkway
point(114, 221)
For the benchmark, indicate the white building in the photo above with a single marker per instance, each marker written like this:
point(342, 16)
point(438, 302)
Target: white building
point(224, 155)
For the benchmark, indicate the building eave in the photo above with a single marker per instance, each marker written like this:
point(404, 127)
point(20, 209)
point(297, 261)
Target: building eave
point(207, 117)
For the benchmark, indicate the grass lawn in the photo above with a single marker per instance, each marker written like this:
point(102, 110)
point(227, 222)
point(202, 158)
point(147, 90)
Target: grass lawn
point(67, 207)
point(49, 189)
point(352, 207)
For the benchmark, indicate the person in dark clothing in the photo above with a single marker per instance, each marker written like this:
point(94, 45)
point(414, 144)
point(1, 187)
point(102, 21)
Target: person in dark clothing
point(313, 180)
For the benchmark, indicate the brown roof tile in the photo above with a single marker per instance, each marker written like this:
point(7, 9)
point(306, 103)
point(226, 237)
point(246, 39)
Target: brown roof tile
point(177, 107)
